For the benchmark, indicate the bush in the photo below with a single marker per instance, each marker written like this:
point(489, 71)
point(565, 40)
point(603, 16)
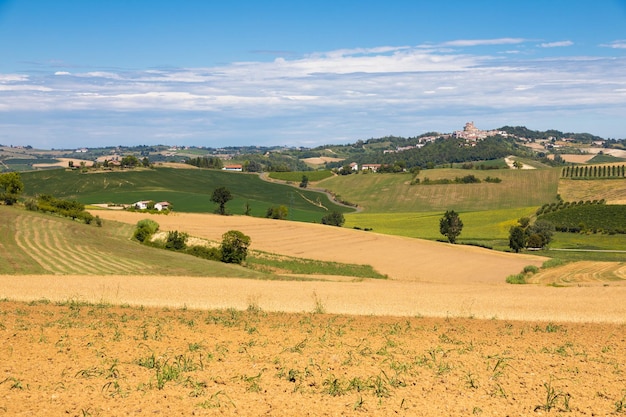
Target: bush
point(205, 252)
point(516, 279)
point(234, 247)
point(176, 240)
point(530, 269)
point(279, 212)
point(334, 219)
point(145, 229)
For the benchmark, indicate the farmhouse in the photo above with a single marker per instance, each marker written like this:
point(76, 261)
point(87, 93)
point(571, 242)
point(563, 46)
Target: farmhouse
point(141, 205)
point(163, 205)
point(370, 167)
point(235, 167)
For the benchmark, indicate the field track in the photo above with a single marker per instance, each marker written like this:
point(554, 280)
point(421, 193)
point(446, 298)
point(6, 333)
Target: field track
point(425, 278)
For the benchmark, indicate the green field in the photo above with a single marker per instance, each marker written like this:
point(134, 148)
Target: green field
point(296, 176)
point(189, 190)
point(489, 228)
point(393, 193)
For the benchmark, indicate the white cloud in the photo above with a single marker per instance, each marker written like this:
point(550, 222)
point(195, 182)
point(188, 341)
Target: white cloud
point(619, 44)
point(484, 42)
point(348, 93)
point(556, 44)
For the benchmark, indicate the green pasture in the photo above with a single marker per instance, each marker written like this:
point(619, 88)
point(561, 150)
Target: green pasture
point(189, 190)
point(393, 193)
point(490, 228)
point(296, 176)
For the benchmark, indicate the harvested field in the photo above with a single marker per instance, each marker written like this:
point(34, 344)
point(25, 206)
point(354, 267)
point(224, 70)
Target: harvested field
point(400, 258)
point(79, 359)
point(321, 160)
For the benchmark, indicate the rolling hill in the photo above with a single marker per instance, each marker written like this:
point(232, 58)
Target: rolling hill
point(189, 190)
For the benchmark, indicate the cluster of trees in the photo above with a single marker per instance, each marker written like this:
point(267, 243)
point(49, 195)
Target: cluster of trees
point(233, 249)
point(526, 235)
point(65, 208)
point(11, 187)
point(277, 212)
point(594, 171)
point(467, 179)
point(212, 162)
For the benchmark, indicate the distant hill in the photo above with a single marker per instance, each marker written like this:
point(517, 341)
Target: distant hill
point(188, 190)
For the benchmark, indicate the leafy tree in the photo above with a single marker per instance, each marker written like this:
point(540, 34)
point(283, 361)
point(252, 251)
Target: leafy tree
point(279, 212)
point(176, 240)
point(221, 196)
point(234, 247)
point(518, 165)
point(544, 230)
point(517, 238)
point(145, 229)
point(450, 225)
point(130, 161)
point(334, 219)
point(305, 181)
point(11, 186)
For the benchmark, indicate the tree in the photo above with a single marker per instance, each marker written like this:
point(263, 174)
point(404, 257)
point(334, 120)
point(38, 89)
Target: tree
point(305, 181)
point(234, 247)
point(450, 225)
point(544, 231)
point(334, 219)
point(279, 212)
point(221, 196)
point(11, 186)
point(176, 240)
point(517, 238)
point(130, 161)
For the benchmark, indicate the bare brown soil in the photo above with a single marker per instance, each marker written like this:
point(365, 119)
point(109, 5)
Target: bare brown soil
point(77, 359)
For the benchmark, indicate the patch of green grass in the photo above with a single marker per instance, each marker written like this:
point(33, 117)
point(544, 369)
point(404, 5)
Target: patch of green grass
point(296, 176)
point(490, 227)
point(286, 264)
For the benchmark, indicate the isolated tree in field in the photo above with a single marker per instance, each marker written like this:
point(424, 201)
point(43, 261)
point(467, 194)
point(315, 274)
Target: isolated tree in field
point(517, 238)
point(234, 247)
point(305, 181)
point(279, 213)
point(450, 225)
point(334, 219)
point(221, 196)
point(11, 186)
point(518, 165)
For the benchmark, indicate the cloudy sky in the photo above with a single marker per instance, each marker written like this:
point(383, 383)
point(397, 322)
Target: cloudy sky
point(304, 73)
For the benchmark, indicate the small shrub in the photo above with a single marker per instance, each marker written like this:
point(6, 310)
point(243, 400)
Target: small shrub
point(205, 252)
point(530, 269)
point(516, 279)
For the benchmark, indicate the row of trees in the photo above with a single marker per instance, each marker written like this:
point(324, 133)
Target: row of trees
point(594, 171)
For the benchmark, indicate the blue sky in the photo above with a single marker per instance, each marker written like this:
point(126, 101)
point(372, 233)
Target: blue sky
point(226, 73)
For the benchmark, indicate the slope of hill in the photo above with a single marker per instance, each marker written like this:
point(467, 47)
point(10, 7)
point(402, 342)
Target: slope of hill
point(188, 190)
point(388, 193)
point(34, 243)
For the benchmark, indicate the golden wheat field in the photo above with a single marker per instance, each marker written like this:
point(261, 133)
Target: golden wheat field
point(444, 335)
